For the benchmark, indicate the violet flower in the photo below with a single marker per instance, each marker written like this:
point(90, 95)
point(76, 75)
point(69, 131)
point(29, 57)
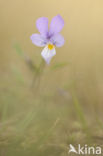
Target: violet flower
point(48, 38)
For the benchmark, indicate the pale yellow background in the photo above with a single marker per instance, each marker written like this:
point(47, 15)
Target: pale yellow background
point(83, 33)
point(83, 29)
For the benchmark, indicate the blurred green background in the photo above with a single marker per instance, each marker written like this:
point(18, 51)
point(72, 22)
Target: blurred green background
point(66, 105)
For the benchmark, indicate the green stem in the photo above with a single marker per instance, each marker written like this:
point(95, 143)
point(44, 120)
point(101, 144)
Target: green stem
point(38, 74)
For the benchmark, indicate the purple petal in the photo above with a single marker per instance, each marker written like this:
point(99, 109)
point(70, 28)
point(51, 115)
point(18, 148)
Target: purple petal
point(56, 25)
point(42, 25)
point(38, 40)
point(57, 40)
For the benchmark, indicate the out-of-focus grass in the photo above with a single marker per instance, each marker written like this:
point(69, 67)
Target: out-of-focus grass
point(45, 119)
point(43, 123)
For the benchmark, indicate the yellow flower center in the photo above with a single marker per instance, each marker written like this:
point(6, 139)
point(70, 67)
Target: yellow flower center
point(50, 46)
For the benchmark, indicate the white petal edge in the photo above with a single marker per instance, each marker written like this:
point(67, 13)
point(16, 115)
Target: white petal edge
point(47, 54)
